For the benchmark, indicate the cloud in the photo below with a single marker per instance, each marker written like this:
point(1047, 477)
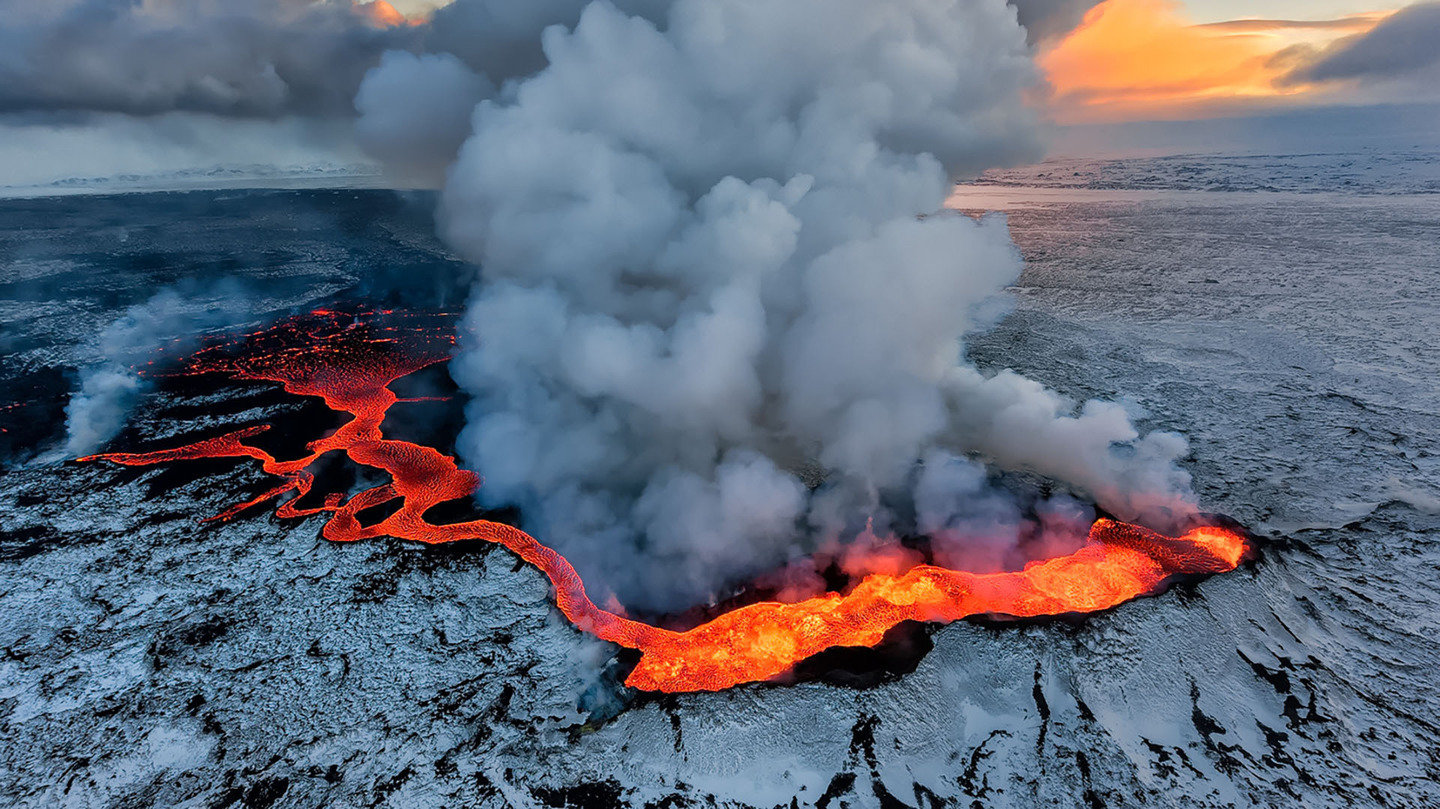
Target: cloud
point(46, 153)
point(248, 58)
point(1403, 45)
point(415, 109)
point(1137, 59)
point(1049, 19)
point(1353, 22)
point(501, 38)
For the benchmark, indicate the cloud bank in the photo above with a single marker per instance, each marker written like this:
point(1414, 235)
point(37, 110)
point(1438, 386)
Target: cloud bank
point(89, 63)
point(248, 58)
point(1401, 46)
point(1045, 20)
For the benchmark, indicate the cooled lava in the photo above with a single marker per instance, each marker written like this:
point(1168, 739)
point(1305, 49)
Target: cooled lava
point(351, 361)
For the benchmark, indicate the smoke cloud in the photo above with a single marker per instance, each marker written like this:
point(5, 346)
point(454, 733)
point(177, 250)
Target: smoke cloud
point(722, 316)
point(110, 388)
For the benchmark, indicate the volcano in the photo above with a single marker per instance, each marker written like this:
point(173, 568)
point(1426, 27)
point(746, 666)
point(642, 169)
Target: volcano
point(350, 361)
point(145, 660)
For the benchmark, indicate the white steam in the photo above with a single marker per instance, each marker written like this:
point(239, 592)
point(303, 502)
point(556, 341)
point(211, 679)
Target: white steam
point(715, 263)
point(437, 89)
point(110, 388)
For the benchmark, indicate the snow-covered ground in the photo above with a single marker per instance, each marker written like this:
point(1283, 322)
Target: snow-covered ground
point(1362, 171)
point(1293, 337)
point(313, 175)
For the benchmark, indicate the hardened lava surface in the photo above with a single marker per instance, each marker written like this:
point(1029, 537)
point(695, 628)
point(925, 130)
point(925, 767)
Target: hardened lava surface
point(350, 361)
point(145, 660)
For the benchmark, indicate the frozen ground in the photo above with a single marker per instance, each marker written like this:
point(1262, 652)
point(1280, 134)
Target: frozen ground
point(1362, 171)
point(1293, 337)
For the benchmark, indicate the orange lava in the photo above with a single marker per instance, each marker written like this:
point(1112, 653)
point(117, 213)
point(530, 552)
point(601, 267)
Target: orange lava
point(350, 362)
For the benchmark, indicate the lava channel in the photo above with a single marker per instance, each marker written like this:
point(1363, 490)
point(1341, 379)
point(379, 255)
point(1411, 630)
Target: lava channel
point(351, 361)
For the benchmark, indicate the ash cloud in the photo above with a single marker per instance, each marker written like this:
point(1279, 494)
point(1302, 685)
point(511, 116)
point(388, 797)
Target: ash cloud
point(1404, 45)
point(722, 315)
point(172, 319)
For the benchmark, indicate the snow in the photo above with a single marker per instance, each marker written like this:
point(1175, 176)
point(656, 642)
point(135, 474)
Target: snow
point(1291, 336)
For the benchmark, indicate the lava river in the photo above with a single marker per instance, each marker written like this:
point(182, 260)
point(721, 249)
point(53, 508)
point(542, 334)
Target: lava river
point(351, 362)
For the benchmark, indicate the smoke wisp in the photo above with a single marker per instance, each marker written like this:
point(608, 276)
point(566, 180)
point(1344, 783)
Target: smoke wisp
point(110, 388)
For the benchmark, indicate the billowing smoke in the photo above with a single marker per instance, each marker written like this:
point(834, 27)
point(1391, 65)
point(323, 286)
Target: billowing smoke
point(110, 388)
point(415, 109)
point(722, 316)
point(437, 89)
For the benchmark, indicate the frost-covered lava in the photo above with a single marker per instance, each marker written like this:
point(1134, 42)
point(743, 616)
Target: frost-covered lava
point(351, 362)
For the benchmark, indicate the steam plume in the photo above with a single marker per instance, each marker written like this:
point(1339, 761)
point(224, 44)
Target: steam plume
point(110, 388)
point(415, 110)
point(722, 315)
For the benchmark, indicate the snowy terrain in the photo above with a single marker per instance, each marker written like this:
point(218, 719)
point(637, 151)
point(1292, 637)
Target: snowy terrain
point(314, 175)
point(1292, 336)
point(1359, 171)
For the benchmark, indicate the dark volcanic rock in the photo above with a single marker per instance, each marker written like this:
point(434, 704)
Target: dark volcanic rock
point(146, 659)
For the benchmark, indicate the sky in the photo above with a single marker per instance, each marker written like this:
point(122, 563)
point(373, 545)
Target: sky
point(1141, 60)
point(1216, 10)
point(91, 88)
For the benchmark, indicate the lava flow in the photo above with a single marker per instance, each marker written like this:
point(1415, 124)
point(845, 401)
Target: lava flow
point(351, 362)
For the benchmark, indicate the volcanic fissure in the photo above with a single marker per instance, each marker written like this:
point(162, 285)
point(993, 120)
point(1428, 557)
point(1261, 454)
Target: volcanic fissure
point(351, 363)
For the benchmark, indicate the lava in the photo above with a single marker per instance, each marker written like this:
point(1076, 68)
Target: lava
point(351, 361)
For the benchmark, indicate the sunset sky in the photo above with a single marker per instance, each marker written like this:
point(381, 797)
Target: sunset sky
point(1167, 59)
point(1215, 10)
point(1137, 60)
point(95, 89)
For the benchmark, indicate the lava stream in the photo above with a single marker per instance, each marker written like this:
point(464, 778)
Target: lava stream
point(351, 363)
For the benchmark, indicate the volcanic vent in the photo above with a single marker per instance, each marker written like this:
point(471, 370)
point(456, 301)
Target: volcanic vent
point(351, 361)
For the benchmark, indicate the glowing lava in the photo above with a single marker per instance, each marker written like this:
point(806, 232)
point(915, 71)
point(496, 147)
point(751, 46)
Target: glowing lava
point(351, 362)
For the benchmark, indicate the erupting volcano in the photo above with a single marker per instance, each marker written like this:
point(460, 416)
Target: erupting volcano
point(351, 361)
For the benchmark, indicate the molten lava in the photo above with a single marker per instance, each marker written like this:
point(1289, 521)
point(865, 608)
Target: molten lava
point(351, 362)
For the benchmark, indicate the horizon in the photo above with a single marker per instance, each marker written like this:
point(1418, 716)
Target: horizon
point(1127, 77)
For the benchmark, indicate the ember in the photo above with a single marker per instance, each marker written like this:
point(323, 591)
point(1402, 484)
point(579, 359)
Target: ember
point(351, 362)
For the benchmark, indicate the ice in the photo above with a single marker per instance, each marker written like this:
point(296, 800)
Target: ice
point(147, 661)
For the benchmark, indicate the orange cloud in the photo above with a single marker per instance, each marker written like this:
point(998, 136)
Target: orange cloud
point(1133, 59)
point(1353, 24)
point(383, 15)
